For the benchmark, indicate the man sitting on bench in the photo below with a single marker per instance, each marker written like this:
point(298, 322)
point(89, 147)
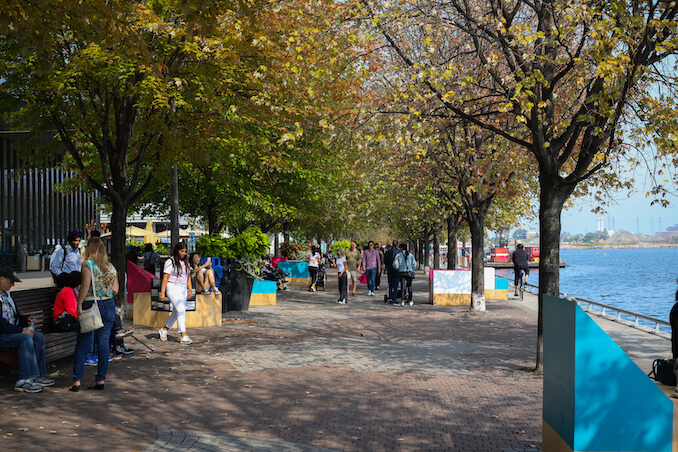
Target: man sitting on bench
point(16, 331)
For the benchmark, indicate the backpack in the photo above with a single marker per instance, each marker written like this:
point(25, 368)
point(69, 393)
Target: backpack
point(662, 371)
point(149, 262)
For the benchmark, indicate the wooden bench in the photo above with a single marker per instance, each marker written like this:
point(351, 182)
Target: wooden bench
point(40, 304)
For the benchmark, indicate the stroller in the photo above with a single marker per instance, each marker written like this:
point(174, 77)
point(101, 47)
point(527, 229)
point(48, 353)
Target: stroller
point(321, 276)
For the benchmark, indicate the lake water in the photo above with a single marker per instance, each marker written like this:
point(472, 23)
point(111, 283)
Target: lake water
point(638, 280)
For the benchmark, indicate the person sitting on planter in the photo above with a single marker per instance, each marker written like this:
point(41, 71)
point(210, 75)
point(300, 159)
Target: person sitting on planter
point(274, 274)
point(204, 275)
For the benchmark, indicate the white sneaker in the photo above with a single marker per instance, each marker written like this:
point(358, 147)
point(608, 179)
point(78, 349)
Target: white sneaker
point(163, 334)
point(411, 303)
point(674, 394)
point(402, 303)
point(185, 340)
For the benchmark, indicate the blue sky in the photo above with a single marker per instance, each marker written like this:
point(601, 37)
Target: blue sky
point(633, 214)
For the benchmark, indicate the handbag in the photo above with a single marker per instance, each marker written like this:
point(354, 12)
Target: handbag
point(363, 279)
point(90, 319)
point(662, 371)
point(66, 322)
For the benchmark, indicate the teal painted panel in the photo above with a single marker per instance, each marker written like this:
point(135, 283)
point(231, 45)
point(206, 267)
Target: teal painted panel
point(559, 395)
point(500, 283)
point(298, 269)
point(617, 407)
point(261, 286)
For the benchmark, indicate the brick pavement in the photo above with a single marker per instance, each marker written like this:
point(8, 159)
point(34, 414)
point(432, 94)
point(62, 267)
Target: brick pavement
point(309, 375)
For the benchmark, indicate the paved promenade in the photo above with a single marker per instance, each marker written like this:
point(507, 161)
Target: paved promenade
point(308, 375)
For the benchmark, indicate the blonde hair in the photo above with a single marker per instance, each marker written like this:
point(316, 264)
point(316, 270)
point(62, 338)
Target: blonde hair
point(341, 253)
point(96, 251)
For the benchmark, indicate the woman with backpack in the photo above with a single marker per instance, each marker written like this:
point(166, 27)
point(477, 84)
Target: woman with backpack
point(405, 264)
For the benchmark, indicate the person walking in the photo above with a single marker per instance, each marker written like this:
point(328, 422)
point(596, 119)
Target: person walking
point(313, 262)
point(100, 283)
point(405, 264)
point(354, 264)
point(377, 281)
point(393, 278)
point(151, 258)
point(66, 259)
point(176, 285)
point(343, 278)
point(372, 265)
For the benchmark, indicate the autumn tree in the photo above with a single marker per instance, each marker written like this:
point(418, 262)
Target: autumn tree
point(114, 80)
point(573, 73)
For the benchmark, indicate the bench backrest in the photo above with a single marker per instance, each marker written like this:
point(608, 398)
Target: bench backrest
point(39, 303)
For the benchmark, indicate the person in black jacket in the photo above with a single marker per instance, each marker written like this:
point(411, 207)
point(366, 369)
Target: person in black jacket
point(392, 273)
point(16, 331)
point(520, 262)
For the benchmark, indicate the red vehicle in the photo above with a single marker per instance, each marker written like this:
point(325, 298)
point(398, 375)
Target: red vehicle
point(532, 253)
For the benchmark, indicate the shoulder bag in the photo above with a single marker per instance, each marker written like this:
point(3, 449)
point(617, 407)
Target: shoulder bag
point(90, 319)
point(662, 371)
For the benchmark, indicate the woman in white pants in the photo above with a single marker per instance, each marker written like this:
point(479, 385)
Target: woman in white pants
point(176, 285)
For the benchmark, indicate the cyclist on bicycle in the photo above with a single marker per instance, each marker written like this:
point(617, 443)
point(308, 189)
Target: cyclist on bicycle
point(519, 257)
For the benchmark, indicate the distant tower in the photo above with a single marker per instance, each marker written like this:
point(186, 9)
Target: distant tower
point(608, 222)
point(613, 226)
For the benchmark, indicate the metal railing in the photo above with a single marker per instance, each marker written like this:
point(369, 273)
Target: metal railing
point(636, 317)
point(604, 308)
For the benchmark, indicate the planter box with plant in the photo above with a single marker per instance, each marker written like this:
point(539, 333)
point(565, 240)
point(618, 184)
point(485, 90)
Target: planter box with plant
point(246, 248)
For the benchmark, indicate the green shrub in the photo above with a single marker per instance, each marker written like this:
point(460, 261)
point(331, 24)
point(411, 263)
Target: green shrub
point(208, 245)
point(340, 244)
point(138, 247)
point(251, 242)
point(160, 248)
point(247, 248)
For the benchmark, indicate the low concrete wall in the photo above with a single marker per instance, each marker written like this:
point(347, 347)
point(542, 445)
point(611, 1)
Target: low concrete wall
point(453, 287)
point(300, 275)
point(207, 312)
point(263, 293)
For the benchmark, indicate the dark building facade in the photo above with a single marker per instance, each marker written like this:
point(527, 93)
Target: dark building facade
point(34, 215)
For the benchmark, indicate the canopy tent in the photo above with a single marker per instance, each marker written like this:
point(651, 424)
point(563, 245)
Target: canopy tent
point(182, 233)
point(148, 236)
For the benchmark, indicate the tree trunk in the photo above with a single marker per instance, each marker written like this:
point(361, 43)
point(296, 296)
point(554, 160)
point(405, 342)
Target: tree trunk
point(452, 228)
point(118, 252)
point(552, 198)
point(174, 206)
point(276, 243)
point(436, 249)
point(212, 219)
point(426, 245)
point(477, 263)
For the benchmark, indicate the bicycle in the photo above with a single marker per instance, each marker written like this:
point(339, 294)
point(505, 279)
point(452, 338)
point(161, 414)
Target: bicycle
point(521, 285)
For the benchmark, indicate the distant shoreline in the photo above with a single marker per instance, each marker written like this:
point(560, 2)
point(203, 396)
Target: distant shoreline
point(617, 246)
